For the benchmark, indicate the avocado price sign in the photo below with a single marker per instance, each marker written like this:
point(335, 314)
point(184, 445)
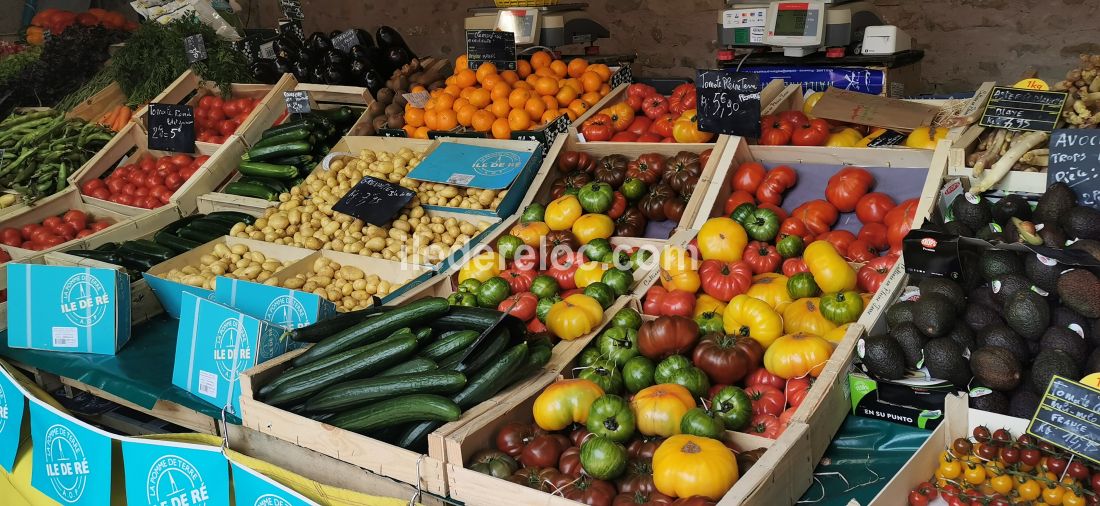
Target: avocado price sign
point(172, 128)
point(1075, 161)
point(728, 102)
point(1019, 109)
point(1069, 417)
point(491, 46)
point(374, 201)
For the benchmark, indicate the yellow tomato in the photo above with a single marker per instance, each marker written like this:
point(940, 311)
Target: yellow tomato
point(593, 226)
point(707, 304)
point(658, 409)
point(676, 259)
point(770, 287)
point(574, 317)
point(687, 281)
point(722, 239)
point(830, 270)
point(531, 233)
point(746, 316)
point(804, 315)
point(589, 272)
point(482, 267)
point(565, 402)
point(834, 336)
point(1001, 484)
point(796, 355)
point(686, 466)
point(562, 212)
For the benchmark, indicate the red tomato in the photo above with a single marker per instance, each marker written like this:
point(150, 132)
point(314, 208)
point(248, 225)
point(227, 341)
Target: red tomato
point(161, 193)
point(761, 376)
point(188, 172)
point(11, 236)
point(217, 139)
point(148, 162)
point(154, 180)
point(204, 136)
point(872, 207)
point(244, 107)
point(164, 162)
point(181, 160)
point(199, 160)
point(765, 426)
point(5, 257)
point(874, 234)
point(66, 230)
point(91, 185)
point(84, 233)
point(847, 187)
point(173, 181)
point(51, 222)
point(125, 199)
point(116, 185)
point(29, 229)
point(861, 251)
point(229, 126)
point(96, 226)
point(141, 191)
point(208, 101)
point(231, 108)
point(796, 390)
point(151, 202)
point(841, 239)
point(100, 193)
point(78, 219)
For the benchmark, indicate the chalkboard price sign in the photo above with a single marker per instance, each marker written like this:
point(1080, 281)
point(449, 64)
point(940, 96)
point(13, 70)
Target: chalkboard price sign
point(888, 138)
point(172, 128)
point(728, 102)
point(374, 201)
point(1069, 417)
point(345, 41)
point(1075, 160)
point(1019, 109)
point(195, 48)
point(292, 9)
point(498, 48)
point(297, 102)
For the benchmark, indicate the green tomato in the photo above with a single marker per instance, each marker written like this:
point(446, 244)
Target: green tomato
point(842, 307)
point(619, 281)
point(733, 406)
point(802, 285)
point(790, 246)
point(633, 188)
point(603, 294)
point(610, 416)
point(620, 260)
point(544, 286)
point(597, 249)
point(604, 374)
point(666, 367)
point(469, 285)
point(589, 356)
point(492, 292)
point(544, 305)
point(637, 373)
point(602, 458)
point(639, 258)
point(742, 213)
point(627, 317)
point(693, 379)
point(708, 322)
point(762, 225)
point(618, 344)
point(462, 299)
point(596, 197)
point(532, 213)
point(508, 246)
point(700, 422)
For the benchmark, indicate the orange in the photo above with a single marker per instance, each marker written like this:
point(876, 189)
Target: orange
point(541, 59)
point(465, 78)
point(409, 130)
point(534, 107)
point(591, 81)
point(550, 101)
point(545, 72)
point(523, 68)
point(417, 89)
point(444, 101)
point(485, 70)
point(449, 81)
point(546, 86)
point(421, 133)
point(461, 64)
point(592, 98)
point(605, 89)
point(430, 119)
point(571, 114)
point(577, 66)
point(465, 115)
point(500, 91)
point(522, 85)
point(452, 90)
point(550, 115)
point(601, 70)
point(459, 104)
point(414, 117)
point(566, 95)
point(479, 98)
point(518, 98)
point(518, 119)
point(578, 107)
point(446, 119)
point(482, 120)
point(558, 68)
point(509, 76)
point(575, 84)
point(491, 80)
point(501, 130)
point(466, 92)
point(500, 109)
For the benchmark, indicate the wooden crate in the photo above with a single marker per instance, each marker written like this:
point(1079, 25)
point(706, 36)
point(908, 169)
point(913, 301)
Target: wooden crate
point(95, 106)
point(69, 199)
point(967, 143)
point(403, 276)
point(20, 256)
point(324, 96)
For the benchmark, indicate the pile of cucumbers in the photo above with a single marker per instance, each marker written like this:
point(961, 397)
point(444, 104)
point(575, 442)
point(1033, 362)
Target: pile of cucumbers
point(176, 238)
point(396, 374)
point(286, 153)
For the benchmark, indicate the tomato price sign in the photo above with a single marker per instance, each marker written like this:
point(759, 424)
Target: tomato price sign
point(172, 128)
point(728, 102)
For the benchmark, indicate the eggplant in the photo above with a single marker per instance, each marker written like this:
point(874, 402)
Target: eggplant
point(398, 57)
point(358, 67)
point(333, 34)
point(291, 31)
point(285, 47)
point(364, 37)
point(264, 71)
point(318, 43)
point(283, 66)
point(307, 56)
point(336, 74)
point(317, 75)
point(390, 38)
point(372, 81)
point(301, 70)
point(335, 56)
point(378, 60)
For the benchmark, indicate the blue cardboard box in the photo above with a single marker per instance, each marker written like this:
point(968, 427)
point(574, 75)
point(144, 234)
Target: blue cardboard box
point(215, 344)
point(284, 307)
point(65, 308)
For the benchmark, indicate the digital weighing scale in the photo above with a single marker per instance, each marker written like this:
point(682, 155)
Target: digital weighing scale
point(798, 28)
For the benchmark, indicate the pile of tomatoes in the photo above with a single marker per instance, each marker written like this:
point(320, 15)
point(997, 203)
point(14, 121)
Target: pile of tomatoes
point(648, 116)
point(148, 183)
point(993, 469)
point(53, 231)
point(58, 20)
point(217, 118)
point(793, 128)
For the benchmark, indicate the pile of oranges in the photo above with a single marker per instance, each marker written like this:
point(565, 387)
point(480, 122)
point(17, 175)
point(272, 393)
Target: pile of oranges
point(500, 102)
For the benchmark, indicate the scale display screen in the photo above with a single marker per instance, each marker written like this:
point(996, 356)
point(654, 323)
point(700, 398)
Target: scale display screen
point(791, 22)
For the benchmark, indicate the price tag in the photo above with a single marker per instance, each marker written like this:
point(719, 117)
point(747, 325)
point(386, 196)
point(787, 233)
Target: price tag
point(888, 138)
point(292, 9)
point(1075, 160)
point(195, 48)
point(297, 102)
point(418, 99)
point(728, 102)
point(374, 201)
point(172, 128)
point(345, 41)
point(499, 48)
point(1069, 417)
point(1019, 109)
point(267, 50)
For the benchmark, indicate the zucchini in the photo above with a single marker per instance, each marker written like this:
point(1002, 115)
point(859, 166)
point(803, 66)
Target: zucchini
point(209, 226)
point(485, 384)
point(261, 169)
point(399, 410)
point(284, 136)
point(150, 246)
point(538, 355)
point(340, 115)
point(452, 343)
point(175, 242)
point(349, 394)
point(107, 246)
point(422, 311)
point(225, 222)
point(297, 160)
point(376, 358)
point(178, 224)
point(329, 326)
point(131, 248)
point(277, 151)
point(486, 351)
point(418, 364)
point(237, 215)
point(102, 256)
point(415, 438)
point(477, 318)
point(199, 236)
point(274, 184)
point(286, 127)
point(423, 335)
point(254, 190)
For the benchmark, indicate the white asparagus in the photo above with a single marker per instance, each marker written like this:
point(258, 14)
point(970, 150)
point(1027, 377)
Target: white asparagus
point(993, 151)
point(1037, 157)
point(999, 169)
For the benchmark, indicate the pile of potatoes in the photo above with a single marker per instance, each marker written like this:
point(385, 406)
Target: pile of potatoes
point(394, 169)
point(236, 262)
point(346, 286)
point(388, 108)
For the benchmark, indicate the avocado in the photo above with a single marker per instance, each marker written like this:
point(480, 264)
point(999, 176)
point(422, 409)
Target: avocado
point(883, 357)
point(983, 295)
point(963, 335)
point(1028, 313)
point(1001, 335)
point(995, 367)
point(958, 228)
point(1051, 363)
point(1023, 403)
point(1007, 285)
point(1054, 203)
point(1061, 338)
point(1011, 206)
point(1065, 317)
point(995, 262)
point(1079, 290)
point(980, 316)
point(912, 343)
point(900, 312)
point(945, 287)
point(1092, 364)
point(1090, 246)
point(1081, 222)
point(994, 402)
point(1043, 272)
point(934, 314)
point(944, 360)
point(992, 233)
point(1052, 235)
point(972, 210)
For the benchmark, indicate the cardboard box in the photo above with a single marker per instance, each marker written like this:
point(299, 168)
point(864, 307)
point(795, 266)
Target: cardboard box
point(215, 344)
point(283, 307)
point(873, 110)
point(401, 276)
point(71, 309)
point(898, 403)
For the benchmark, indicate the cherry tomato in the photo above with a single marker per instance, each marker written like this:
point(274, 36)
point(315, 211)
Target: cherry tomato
point(1002, 436)
point(1011, 455)
point(1029, 489)
point(915, 499)
point(1077, 470)
point(1030, 456)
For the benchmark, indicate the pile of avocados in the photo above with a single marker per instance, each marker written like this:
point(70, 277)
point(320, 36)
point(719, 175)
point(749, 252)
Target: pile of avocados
point(1016, 321)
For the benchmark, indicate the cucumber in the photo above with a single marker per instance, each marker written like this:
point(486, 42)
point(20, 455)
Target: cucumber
point(450, 344)
point(209, 226)
point(415, 438)
point(477, 318)
point(200, 236)
point(423, 335)
point(332, 325)
point(236, 215)
point(399, 410)
point(349, 394)
point(297, 372)
point(274, 184)
point(538, 355)
point(342, 114)
point(178, 224)
point(370, 361)
point(284, 136)
point(261, 169)
point(423, 310)
point(175, 242)
point(297, 160)
point(254, 190)
point(486, 351)
point(418, 364)
point(150, 246)
point(131, 248)
point(286, 127)
point(277, 151)
point(485, 384)
point(107, 246)
point(102, 256)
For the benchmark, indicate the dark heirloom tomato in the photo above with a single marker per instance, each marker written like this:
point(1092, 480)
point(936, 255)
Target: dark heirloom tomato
point(674, 208)
point(638, 477)
point(631, 224)
point(515, 435)
point(653, 204)
point(494, 463)
point(727, 359)
point(667, 335)
point(644, 447)
point(680, 167)
point(570, 462)
point(649, 167)
point(570, 184)
point(586, 490)
point(612, 170)
point(543, 479)
point(575, 161)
